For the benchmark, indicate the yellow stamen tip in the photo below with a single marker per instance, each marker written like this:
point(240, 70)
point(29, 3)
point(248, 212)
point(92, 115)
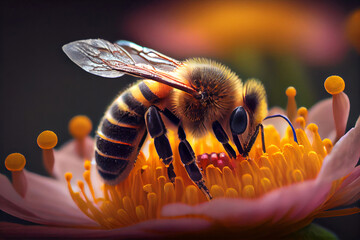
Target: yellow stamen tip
point(47, 140)
point(80, 126)
point(87, 165)
point(312, 127)
point(303, 112)
point(328, 145)
point(15, 162)
point(301, 122)
point(290, 92)
point(334, 85)
point(68, 176)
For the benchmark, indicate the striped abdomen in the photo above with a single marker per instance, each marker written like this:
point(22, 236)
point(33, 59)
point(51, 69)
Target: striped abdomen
point(122, 130)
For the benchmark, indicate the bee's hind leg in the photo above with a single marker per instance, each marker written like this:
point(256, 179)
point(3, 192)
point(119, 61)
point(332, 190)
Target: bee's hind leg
point(157, 130)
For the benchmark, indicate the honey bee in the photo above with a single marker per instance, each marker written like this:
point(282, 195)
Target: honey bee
point(196, 95)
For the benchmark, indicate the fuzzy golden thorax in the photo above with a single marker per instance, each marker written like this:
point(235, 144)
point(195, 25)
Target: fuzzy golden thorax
point(219, 89)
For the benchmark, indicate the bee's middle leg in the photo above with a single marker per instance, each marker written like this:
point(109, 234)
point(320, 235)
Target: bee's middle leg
point(157, 130)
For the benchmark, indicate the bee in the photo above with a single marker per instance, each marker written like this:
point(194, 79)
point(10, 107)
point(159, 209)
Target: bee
point(196, 95)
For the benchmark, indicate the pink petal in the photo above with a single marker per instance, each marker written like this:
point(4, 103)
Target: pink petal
point(299, 199)
point(163, 228)
point(354, 175)
point(343, 157)
point(346, 195)
point(279, 124)
point(322, 115)
point(67, 159)
point(47, 193)
point(341, 109)
point(42, 211)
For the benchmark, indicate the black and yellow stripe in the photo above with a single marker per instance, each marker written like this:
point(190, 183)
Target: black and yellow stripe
point(122, 130)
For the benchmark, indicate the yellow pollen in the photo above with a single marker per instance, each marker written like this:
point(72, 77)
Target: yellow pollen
point(15, 162)
point(80, 126)
point(147, 189)
point(47, 140)
point(334, 85)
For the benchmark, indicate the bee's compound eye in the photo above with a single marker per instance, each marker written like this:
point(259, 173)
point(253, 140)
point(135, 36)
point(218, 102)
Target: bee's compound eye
point(238, 120)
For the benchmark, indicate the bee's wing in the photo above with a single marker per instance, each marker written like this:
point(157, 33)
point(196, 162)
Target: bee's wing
point(149, 56)
point(105, 59)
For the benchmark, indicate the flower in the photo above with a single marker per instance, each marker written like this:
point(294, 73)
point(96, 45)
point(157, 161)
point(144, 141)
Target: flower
point(265, 195)
point(313, 32)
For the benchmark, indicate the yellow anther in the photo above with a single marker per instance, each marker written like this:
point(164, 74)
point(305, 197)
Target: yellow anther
point(247, 179)
point(248, 191)
point(297, 175)
point(231, 193)
point(15, 162)
point(152, 203)
point(301, 122)
point(312, 127)
point(266, 184)
point(47, 140)
point(169, 192)
point(303, 112)
point(334, 85)
point(68, 176)
point(217, 191)
point(147, 188)
point(272, 149)
point(328, 145)
point(80, 126)
point(81, 184)
point(191, 195)
point(87, 165)
point(140, 213)
point(317, 143)
point(291, 108)
point(290, 92)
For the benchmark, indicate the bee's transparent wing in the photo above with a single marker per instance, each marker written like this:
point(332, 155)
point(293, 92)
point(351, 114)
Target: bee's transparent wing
point(92, 55)
point(105, 59)
point(149, 56)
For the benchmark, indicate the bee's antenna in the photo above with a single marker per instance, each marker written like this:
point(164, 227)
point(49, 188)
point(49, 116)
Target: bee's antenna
point(288, 121)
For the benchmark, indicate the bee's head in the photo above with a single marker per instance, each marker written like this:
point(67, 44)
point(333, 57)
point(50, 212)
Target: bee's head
point(219, 91)
point(245, 120)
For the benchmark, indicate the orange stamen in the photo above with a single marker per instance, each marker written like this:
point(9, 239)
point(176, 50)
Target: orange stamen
point(335, 85)
point(80, 127)
point(15, 163)
point(47, 140)
point(291, 108)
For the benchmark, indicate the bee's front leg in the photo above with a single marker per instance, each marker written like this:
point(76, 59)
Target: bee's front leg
point(157, 130)
point(222, 137)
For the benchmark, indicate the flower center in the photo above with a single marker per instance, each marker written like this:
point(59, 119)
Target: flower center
point(147, 189)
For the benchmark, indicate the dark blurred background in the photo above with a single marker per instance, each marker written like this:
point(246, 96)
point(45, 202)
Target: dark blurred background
point(281, 43)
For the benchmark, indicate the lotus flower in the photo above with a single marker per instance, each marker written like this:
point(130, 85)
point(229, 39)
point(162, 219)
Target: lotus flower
point(266, 195)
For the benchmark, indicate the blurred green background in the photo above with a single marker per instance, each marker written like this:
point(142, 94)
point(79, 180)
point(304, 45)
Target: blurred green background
point(282, 43)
